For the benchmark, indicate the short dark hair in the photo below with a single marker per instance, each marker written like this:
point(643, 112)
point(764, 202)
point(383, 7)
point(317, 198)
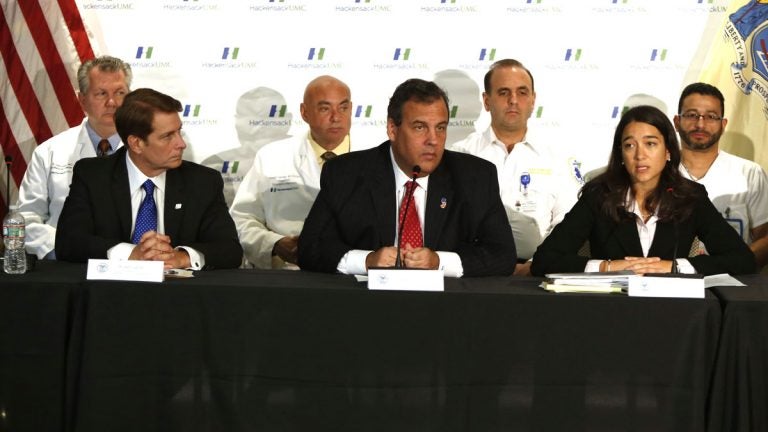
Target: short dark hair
point(704, 89)
point(502, 64)
point(417, 90)
point(135, 115)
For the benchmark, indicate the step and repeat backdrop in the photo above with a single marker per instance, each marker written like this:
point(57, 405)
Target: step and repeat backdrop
point(240, 66)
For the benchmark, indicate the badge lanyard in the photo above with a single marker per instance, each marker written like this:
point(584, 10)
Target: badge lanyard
point(525, 180)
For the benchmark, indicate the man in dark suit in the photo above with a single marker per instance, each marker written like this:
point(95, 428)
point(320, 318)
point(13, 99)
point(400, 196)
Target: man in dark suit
point(110, 197)
point(462, 226)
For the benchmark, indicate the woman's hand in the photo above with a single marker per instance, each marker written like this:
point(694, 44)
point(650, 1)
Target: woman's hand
point(643, 265)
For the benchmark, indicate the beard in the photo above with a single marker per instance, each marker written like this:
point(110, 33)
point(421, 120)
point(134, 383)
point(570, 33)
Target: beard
point(685, 137)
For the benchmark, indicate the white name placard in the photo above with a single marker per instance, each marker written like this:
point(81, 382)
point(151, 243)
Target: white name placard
point(142, 271)
point(405, 279)
point(681, 286)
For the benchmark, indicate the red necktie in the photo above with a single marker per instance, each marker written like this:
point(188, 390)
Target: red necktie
point(411, 226)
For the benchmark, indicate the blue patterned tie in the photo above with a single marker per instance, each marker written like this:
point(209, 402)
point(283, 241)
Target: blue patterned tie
point(146, 218)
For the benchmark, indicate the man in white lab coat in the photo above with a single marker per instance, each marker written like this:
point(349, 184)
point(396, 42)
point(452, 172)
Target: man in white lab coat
point(275, 196)
point(102, 82)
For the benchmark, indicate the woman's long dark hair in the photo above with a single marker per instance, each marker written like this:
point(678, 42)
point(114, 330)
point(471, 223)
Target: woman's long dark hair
point(674, 196)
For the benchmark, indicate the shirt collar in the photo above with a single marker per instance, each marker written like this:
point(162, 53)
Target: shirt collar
point(136, 178)
point(401, 178)
point(114, 139)
point(491, 138)
point(340, 149)
point(631, 205)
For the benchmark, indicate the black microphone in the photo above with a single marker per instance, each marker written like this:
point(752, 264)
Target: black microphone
point(399, 263)
point(8, 162)
point(674, 269)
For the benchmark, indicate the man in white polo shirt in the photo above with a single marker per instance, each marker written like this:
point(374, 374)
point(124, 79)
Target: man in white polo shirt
point(537, 187)
point(737, 187)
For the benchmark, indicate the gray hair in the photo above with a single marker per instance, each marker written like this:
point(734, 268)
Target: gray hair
point(105, 64)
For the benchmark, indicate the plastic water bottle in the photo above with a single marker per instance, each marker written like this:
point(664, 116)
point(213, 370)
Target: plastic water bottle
point(15, 257)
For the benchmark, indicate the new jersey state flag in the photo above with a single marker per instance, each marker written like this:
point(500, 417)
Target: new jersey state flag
point(737, 64)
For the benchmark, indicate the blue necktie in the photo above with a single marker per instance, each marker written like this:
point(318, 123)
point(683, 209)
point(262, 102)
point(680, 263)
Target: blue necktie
point(146, 218)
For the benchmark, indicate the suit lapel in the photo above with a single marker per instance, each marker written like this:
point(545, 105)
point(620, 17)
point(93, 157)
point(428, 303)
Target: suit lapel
point(626, 233)
point(664, 237)
point(383, 197)
point(173, 208)
point(122, 194)
point(438, 202)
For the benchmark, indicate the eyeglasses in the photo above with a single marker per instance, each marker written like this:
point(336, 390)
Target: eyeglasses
point(694, 117)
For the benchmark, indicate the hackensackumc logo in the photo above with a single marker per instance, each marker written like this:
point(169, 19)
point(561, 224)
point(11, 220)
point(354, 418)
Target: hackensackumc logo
point(747, 29)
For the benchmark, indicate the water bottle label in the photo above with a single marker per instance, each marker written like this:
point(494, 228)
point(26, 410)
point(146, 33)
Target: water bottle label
point(13, 231)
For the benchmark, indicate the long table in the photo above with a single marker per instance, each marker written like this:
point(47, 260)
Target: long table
point(739, 396)
point(248, 350)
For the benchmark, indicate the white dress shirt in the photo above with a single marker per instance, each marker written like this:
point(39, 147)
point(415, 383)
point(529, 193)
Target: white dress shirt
point(646, 231)
point(353, 262)
point(535, 206)
point(136, 178)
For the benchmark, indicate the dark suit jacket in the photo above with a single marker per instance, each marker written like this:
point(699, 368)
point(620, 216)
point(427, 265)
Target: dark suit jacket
point(97, 213)
point(610, 240)
point(356, 208)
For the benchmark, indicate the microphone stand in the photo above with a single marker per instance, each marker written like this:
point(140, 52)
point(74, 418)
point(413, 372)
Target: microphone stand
point(399, 263)
point(674, 269)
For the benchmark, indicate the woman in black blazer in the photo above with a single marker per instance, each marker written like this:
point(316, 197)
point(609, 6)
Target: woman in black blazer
point(641, 214)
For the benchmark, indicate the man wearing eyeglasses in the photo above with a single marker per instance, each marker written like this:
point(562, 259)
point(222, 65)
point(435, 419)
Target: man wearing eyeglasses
point(738, 187)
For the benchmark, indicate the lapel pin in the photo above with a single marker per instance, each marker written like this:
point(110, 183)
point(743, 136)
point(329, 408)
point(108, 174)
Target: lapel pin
point(443, 203)
point(178, 206)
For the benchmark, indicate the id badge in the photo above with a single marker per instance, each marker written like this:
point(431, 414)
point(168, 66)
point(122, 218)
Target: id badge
point(737, 224)
point(526, 204)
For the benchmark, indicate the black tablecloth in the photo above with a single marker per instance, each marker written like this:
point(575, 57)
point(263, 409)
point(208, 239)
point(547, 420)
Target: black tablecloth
point(739, 394)
point(36, 314)
point(287, 351)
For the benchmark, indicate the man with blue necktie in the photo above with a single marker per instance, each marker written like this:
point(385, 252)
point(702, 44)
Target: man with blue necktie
point(144, 202)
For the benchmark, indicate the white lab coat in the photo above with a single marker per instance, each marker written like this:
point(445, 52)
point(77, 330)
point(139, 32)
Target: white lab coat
point(275, 197)
point(46, 185)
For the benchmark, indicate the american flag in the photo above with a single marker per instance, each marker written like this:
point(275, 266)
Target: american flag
point(42, 43)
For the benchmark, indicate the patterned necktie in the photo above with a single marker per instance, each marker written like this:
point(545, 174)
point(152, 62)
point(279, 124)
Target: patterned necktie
point(146, 218)
point(103, 148)
point(411, 226)
point(327, 156)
